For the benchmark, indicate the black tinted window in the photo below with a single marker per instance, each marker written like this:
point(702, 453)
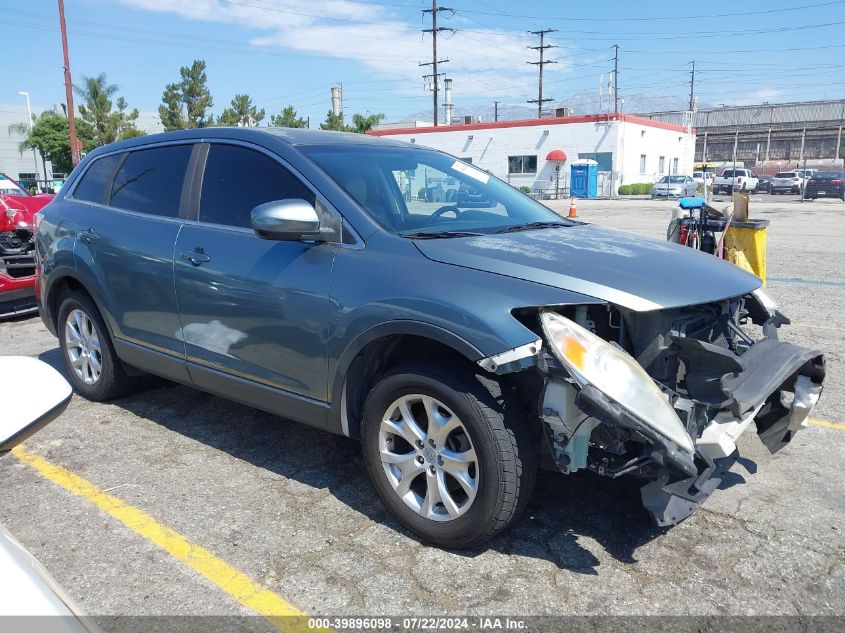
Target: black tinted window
point(92, 185)
point(238, 179)
point(150, 180)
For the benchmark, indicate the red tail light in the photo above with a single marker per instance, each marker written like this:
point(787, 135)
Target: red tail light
point(739, 179)
point(836, 182)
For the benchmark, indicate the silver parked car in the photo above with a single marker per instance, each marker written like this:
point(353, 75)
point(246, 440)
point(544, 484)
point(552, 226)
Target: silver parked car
point(674, 187)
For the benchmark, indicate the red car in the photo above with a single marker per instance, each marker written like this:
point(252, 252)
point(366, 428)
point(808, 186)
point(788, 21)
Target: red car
point(17, 252)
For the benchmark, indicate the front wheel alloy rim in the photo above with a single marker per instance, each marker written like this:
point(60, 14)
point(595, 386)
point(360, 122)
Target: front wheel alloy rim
point(83, 347)
point(428, 457)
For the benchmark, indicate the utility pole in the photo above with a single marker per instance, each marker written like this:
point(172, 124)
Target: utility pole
point(692, 88)
point(616, 78)
point(71, 118)
point(541, 48)
point(434, 30)
point(496, 111)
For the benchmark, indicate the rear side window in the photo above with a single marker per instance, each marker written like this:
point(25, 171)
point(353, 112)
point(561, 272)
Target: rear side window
point(150, 180)
point(92, 185)
point(238, 179)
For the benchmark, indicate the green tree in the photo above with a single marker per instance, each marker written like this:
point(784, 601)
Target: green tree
point(363, 124)
point(97, 109)
point(335, 122)
point(242, 112)
point(287, 118)
point(170, 111)
point(49, 137)
point(186, 104)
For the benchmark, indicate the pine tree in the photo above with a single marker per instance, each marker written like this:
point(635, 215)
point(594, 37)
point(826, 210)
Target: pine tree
point(287, 118)
point(186, 104)
point(242, 112)
point(334, 122)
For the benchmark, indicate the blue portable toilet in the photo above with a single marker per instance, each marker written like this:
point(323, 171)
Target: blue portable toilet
point(584, 179)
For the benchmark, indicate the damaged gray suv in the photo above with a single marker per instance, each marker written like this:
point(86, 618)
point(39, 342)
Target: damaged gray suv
point(355, 284)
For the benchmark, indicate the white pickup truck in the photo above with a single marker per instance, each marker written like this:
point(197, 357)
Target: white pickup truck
point(736, 179)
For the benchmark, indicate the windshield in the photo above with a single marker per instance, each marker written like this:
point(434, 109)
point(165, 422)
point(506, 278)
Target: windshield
point(9, 187)
point(410, 191)
point(671, 179)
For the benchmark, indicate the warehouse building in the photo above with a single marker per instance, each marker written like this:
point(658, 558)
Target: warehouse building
point(538, 153)
point(769, 137)
point(23, 166)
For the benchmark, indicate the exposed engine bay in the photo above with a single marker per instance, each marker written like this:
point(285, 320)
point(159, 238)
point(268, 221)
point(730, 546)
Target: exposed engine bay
point(715, 369)
point(17, 253)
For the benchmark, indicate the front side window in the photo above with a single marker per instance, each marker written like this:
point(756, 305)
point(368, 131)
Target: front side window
point(150, 180)
point(92, 185)
point(238, 179)
point(412, 191)
point(522, 164)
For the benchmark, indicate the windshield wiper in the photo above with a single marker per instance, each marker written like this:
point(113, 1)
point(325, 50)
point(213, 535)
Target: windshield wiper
point(531, 226)
point(436, 235)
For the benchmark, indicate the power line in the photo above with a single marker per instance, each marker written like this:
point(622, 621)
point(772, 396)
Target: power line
point(540, 64)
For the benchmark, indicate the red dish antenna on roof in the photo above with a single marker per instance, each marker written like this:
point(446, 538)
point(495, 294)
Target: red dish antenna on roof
point(556, 154)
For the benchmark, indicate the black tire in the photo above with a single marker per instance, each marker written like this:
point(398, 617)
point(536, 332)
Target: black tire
point(113, 381)
point(505, 447)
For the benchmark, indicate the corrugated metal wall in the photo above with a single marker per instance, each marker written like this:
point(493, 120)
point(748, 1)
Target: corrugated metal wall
point(781, 115)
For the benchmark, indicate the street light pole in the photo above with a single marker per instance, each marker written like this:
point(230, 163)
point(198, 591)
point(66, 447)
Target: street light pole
point(23, 93)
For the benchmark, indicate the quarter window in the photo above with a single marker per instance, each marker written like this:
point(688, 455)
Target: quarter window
point(522, 164)
point(150, 180)
point(238, 179)
point(92, 185)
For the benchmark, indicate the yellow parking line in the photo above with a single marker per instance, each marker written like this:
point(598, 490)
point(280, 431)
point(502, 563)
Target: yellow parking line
point(839, 426)
point(234, 582)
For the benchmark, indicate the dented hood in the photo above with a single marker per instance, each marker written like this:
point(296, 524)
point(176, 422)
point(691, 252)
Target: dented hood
point(628, 270)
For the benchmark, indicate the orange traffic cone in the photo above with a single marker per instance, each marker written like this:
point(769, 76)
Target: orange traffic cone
point(572, 212)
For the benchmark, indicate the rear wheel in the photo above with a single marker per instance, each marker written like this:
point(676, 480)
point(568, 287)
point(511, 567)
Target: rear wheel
point(449, 458)
point(87, 351)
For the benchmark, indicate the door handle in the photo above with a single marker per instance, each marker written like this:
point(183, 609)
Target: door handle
point(196, 257)
point(89, 235)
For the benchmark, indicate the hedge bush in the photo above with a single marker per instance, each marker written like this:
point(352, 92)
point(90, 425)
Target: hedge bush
point(525, 189)
point(635, 189)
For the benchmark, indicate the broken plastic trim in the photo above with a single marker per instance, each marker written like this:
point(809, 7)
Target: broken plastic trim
point(597, 405)
point(512, 360)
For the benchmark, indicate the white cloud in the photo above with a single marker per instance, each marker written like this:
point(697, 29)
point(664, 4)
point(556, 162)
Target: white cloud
point(483, 62)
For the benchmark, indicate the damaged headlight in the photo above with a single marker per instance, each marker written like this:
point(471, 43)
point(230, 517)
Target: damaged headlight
point(592, 360)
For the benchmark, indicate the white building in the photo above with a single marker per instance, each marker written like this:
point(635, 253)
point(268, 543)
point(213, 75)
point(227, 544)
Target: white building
point(627, 148)
point(21, 166)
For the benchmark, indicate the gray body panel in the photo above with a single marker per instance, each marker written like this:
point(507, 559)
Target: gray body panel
point(631, 271)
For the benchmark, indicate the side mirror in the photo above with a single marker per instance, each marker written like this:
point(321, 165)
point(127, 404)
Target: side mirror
point(288, 220)
point(34, 394)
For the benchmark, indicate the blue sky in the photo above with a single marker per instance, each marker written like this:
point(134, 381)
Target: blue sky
point(293, 51)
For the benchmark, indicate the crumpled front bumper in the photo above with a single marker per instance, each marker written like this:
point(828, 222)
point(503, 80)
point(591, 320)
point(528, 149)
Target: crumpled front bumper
point(776, 388)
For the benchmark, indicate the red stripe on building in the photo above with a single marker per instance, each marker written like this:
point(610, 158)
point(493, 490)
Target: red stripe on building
point(496, 125)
